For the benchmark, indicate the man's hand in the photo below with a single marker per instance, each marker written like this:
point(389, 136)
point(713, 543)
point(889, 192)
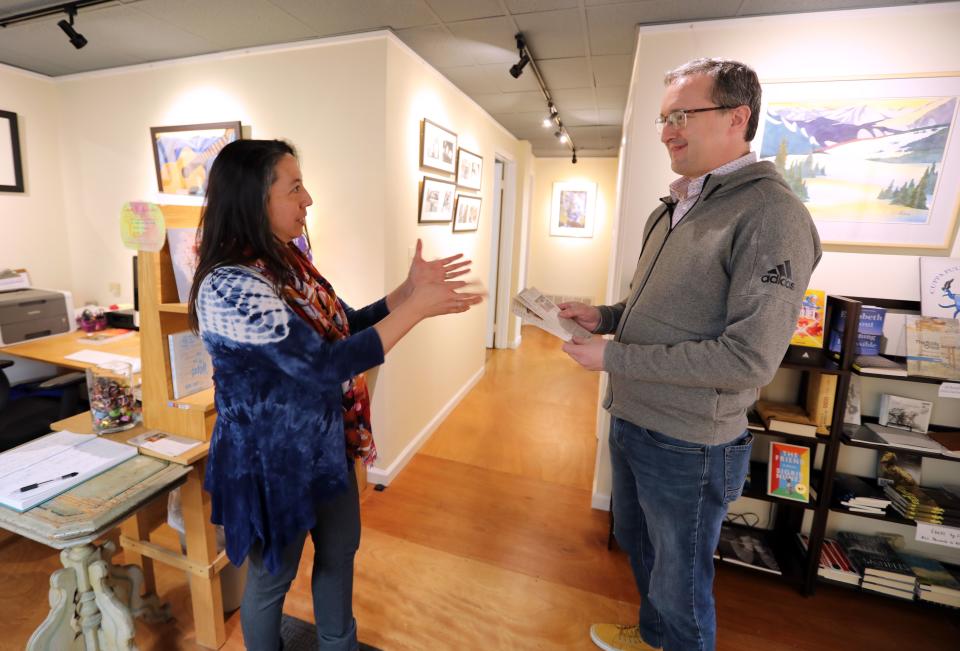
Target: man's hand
point(588, 353)
point(586, 316)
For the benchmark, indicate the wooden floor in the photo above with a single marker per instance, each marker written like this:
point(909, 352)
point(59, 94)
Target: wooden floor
point(486, 541)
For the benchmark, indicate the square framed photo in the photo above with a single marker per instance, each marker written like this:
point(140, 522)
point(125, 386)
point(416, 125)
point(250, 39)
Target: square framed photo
point(436, 201)
point(438, 147)
point(469, 169)
point(468, 213)
point(572, 209)
point(11, 168)
point(182, 155)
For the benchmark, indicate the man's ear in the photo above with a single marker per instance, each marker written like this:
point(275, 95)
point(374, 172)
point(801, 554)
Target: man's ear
point(739, 117)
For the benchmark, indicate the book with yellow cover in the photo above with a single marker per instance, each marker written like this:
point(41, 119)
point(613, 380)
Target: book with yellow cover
point(809, 330)
point(821, 393)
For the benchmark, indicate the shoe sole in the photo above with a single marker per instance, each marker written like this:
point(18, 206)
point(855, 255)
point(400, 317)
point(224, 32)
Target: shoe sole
point(600, 643)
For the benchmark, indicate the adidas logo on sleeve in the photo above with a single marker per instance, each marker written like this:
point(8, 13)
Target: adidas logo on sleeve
point(779, 275)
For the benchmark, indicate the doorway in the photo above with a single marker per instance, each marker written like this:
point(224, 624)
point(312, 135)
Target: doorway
point(501, 252)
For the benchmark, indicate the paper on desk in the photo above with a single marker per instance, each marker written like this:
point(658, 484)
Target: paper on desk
point(100, 357)
point(163, 443)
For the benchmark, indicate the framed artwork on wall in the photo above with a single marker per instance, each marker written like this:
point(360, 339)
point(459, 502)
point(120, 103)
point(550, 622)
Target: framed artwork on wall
point(182, 155)
point(469, 169)
point(438, 147)
point(875, 160)
point(11, 167)
point(436, 201)
point(572, 208)
point(468, 213)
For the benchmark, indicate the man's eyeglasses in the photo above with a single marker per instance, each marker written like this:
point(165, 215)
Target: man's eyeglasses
point(678, 119)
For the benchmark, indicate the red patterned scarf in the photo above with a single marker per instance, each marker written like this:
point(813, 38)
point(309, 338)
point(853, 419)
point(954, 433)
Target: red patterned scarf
point(314, 300)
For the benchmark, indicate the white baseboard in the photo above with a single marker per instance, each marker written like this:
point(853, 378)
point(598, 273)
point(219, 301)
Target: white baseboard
point(600, 501)
point(377, 475)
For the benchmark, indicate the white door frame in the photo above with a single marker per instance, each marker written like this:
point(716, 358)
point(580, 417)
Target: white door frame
point(501, 233)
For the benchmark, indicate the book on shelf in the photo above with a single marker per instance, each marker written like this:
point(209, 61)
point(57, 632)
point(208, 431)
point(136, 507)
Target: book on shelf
point(900, 438)
point(809, 329)
point(182, 243)
point(873, 556)
point(786, 418)
point(37, 471)
point(906, 592)
point(748, 547)
point(853, 492)
point(939, 286)
point(191, 369)
point(833, 563)
point(931, 574)
point(878, 365)
point(949, 440)
point(899, 467)
point(905, 413)
point(106, 336)
point(821, 393)
point(788, 472)
point(754, 421)
point(933, 347)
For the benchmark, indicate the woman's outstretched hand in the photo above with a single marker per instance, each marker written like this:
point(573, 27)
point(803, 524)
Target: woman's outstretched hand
point(446, 297)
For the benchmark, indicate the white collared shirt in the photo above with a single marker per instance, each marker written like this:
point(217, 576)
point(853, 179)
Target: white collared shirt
point(685, 191)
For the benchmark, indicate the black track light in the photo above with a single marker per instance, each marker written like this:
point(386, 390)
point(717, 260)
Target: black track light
point(574, 160)
point(517, 68)
point(77, 39)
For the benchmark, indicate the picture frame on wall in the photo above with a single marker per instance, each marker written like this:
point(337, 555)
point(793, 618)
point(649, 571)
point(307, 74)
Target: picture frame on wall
point(437, 200)
point(183, 154)
point(467, 213)
point(11, 166)
point(469, 169)
point(438, 147)
point(572, 209)
point(875, 160)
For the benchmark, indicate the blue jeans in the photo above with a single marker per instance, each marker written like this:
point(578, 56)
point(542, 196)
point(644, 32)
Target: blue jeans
point(669, 499)
point(336, 537)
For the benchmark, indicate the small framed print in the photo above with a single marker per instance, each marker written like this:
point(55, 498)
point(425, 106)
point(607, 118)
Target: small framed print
point(469, 169)
point(183, 155)
point(436, 201)
point(571, 213)
point(438, 147)
point(11, 167)
point(468, 213)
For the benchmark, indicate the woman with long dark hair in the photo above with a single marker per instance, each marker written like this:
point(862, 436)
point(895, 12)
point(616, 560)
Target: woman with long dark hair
point(293, 411)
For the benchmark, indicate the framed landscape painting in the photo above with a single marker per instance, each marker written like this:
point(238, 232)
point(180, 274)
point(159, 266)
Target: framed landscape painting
point(572, 208)
point(182, 155)
point(876, 161)
point(438, 147)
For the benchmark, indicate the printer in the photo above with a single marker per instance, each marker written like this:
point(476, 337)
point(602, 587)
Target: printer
point(28, 313)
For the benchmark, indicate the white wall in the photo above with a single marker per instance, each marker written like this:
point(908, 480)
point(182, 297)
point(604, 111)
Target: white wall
point(903, 40)
point(32, 223)
point(572, 266)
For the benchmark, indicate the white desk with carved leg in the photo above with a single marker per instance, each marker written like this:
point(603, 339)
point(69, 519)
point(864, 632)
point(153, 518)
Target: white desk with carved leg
point(93, 602)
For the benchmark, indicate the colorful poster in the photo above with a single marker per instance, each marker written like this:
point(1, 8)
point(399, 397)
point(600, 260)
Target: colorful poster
point(142, 226)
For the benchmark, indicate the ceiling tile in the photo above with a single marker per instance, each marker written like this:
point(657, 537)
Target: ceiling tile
point(251, 23)
point(435, 45)
point(578, 117)
point(574, 98)
point(609, 116)
point(511, 102)
point(344, 16)
point(522, 120)
point(507, 83)
point(565, 73)
point(471, 79)
point(452, 10)
point(487, 40)
point(614, 97)
point(553, 34)
point(529, 6)
point(612, 70)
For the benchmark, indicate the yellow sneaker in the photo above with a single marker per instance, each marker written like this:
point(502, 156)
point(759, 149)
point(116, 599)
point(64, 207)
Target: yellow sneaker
point(615, 637)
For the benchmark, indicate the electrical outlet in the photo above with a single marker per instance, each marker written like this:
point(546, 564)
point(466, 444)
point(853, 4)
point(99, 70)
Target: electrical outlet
point(114, 289)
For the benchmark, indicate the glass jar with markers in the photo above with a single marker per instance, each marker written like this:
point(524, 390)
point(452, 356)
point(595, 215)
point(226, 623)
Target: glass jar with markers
point(113, 406)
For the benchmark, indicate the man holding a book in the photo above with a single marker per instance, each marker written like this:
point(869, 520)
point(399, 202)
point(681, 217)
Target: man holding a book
point(713, 303)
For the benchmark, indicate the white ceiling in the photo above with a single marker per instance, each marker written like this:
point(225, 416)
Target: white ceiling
point(584, 48)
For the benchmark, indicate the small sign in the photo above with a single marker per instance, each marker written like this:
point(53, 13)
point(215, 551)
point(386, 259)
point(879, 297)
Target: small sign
point(938, 534)
point(949, 390)
point(141, 226)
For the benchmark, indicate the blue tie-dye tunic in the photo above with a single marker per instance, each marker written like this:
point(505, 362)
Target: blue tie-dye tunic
point(278, 444)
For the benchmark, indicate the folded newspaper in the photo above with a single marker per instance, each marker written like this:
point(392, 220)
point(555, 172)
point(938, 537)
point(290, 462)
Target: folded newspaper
point(536, 309)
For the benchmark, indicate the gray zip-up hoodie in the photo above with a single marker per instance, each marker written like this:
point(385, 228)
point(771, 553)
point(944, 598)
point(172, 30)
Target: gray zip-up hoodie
point(712, 306)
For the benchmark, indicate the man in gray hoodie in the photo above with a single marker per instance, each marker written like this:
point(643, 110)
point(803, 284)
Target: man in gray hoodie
point(725, 262)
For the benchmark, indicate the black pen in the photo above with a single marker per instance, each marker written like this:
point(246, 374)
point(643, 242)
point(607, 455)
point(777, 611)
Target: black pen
point(30, 487)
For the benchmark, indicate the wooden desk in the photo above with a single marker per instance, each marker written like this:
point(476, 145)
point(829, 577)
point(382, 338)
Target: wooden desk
point(93, 602)
point(53, 350)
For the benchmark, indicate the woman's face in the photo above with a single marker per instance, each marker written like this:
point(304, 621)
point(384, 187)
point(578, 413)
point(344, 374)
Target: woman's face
point(288, 200)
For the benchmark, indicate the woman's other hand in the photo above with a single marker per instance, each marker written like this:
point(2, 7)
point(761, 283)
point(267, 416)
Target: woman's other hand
point(423, 272)
point(586, 316)
point(447, 297)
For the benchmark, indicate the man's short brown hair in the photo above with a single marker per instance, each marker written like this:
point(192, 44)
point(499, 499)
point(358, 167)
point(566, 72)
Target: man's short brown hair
point(734, 84)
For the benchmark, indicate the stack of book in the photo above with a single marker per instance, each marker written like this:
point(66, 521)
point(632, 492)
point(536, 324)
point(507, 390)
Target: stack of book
point(834, 564)
point(937, 582)
point(902, 438)
point(881, 568)
point(858, 496)
point(933, 505)
point(878, 365)
point(748, 547)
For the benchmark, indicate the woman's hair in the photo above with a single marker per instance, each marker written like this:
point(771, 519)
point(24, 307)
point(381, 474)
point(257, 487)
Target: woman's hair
point(234, 227)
